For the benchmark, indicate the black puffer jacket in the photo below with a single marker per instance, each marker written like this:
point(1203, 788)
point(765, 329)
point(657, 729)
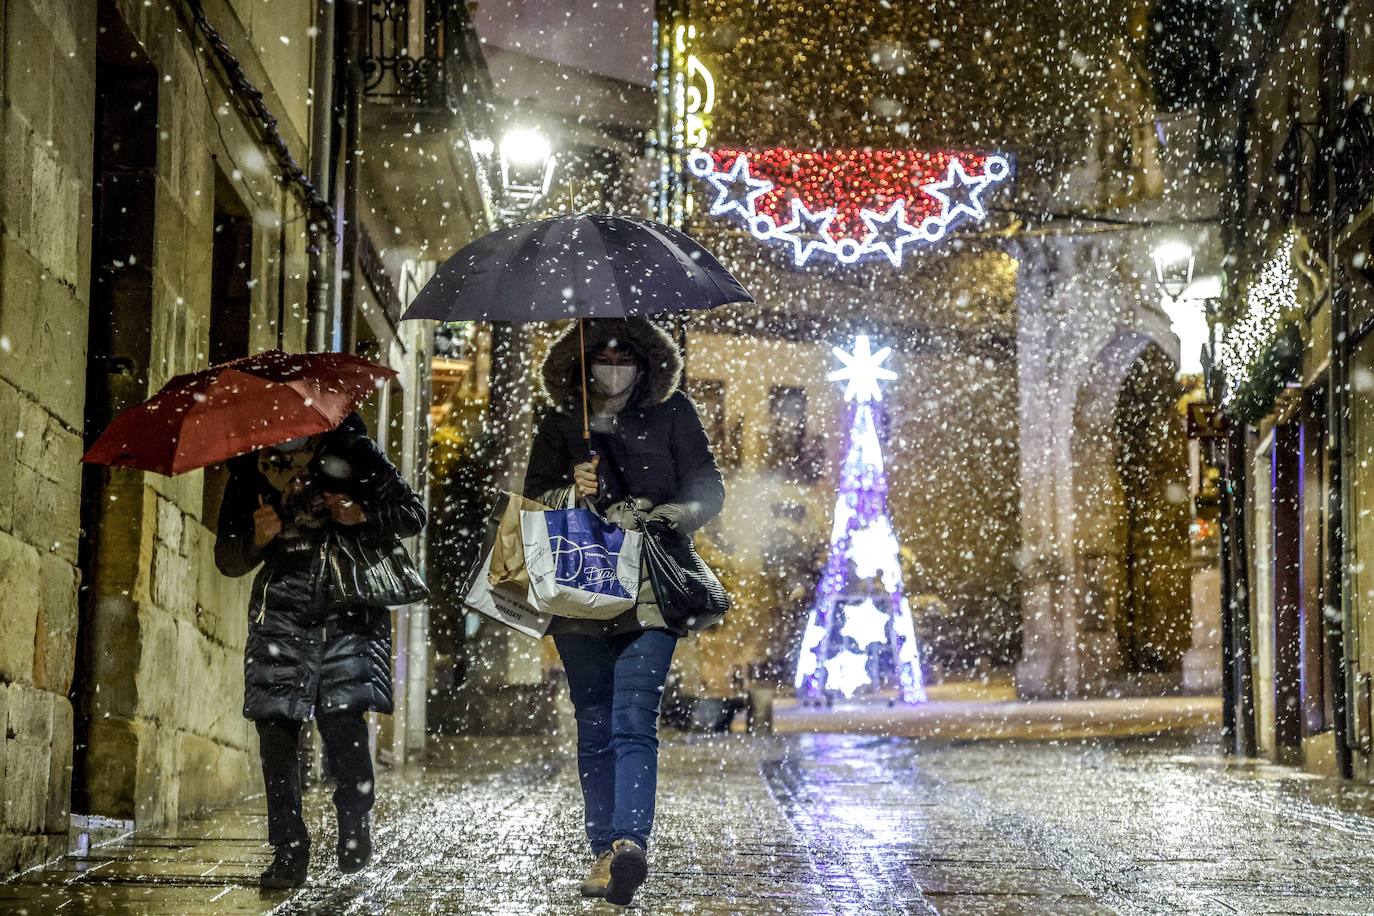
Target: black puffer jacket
point(309, 649)
point(659, 443)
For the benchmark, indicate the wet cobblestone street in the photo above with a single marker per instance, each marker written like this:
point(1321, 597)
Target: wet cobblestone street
point(803, 824)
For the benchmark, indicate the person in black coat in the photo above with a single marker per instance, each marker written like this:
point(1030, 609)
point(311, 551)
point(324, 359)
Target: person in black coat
point(648, 447)
point(315, 648)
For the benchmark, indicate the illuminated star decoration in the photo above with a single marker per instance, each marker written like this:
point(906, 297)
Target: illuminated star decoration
point(849, 204)
point(959, 193)
point(889, 231)
point(862, 370)
point(847, 672)
point(737, 190)
point(807, 231)
point(865, 624)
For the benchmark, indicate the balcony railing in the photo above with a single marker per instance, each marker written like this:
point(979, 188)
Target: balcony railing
point(425, 52)
point(1354, 161)
point(1301, 183)
point(404, 59)
point(379, 279)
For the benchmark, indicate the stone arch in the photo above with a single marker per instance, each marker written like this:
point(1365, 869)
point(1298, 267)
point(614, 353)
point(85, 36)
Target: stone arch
point(1082, 324)
point(1129, 492)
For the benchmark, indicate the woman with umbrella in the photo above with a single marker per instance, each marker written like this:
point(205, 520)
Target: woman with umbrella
point(650, 447)
point(319, 512)
point(620, 430)
point(316, 645)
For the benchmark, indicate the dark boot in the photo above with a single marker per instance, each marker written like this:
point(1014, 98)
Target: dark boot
point(355, 842)
point(289, 868)
point(629, 868)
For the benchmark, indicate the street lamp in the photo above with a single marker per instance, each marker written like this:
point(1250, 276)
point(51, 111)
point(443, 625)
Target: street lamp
point(525, 147)
point(1174, 267)
point(1187, 300)
point(527, 163)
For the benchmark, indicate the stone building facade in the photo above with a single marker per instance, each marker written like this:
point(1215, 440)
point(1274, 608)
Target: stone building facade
point(1295, 381)
point(145, 231)
point(1082, 328)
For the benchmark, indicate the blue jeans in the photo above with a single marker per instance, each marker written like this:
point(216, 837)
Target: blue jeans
point(616, 685)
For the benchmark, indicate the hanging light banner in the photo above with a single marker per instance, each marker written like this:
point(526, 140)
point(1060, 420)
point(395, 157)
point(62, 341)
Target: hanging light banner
point(694, 96)
point(849, 205)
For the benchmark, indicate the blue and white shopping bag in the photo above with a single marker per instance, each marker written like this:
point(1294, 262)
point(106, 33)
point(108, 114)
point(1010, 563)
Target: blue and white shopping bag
point(580, 565)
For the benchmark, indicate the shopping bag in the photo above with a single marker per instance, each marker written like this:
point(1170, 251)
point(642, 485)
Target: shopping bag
point(579, 564)
point(689, 594)
point(504, 602)
point(508, 550)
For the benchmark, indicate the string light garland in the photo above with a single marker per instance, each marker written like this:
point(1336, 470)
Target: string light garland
point(293, 174)
point(849, 204)
point(860, 631)
point(1271, 296)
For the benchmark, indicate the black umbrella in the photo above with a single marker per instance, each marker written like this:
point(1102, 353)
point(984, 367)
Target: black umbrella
point(588, 266)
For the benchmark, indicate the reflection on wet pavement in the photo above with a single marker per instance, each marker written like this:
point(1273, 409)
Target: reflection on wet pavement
point(802, 824)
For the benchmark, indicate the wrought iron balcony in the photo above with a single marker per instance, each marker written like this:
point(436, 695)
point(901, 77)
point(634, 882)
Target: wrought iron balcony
point(425, 53)
point(1302, 179)
point(1302, 183)
point(425, 80)
point(1354, 161)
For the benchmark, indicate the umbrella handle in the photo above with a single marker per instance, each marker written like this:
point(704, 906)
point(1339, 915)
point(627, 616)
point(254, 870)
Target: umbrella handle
point(582, 348)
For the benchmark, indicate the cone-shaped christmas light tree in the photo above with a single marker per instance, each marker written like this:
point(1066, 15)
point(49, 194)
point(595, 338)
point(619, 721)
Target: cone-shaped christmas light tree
point(860, 632)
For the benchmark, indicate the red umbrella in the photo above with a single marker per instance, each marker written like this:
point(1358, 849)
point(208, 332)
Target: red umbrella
point(206, 417)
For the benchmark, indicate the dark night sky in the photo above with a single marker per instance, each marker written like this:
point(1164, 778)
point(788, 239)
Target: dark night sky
point(613, 37)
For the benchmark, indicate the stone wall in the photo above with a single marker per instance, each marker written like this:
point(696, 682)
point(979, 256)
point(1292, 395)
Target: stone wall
point(1084, 317)
point(166, 630)
point(187, 623)
point(45, 199)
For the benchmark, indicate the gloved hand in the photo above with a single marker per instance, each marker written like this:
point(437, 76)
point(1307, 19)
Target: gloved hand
point(670, 515)
point(623, 514)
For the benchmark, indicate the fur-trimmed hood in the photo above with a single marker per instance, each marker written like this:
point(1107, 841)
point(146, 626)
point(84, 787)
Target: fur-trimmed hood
point(659, 356)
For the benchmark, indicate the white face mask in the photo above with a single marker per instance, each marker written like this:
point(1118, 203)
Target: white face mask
point(614, 380)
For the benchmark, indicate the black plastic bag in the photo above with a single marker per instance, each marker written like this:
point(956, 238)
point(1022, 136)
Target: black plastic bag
point(689, 594)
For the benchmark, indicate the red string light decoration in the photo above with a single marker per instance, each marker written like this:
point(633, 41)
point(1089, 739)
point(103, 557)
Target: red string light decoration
point(850, 202)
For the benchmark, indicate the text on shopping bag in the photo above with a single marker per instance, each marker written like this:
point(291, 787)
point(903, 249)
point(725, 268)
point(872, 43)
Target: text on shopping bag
point(586, 551)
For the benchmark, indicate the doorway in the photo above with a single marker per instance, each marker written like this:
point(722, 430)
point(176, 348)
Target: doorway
point(1154, 623)
point(118, 348)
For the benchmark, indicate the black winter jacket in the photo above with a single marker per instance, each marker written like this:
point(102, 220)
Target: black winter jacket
point(311, 650)
point(659, 446)
point(662, 454)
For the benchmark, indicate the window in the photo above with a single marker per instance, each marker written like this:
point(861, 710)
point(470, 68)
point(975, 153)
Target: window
point(231, 308)
point(709, 396)
point(791, 451)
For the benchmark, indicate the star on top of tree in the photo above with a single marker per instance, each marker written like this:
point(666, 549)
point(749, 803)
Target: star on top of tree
point(862, 370)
